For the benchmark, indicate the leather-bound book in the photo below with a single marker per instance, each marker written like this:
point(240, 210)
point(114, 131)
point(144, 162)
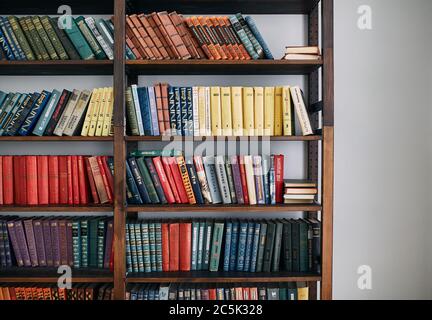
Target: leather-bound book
point(155, 38)
point(231, 30)
point(200, 39)
point(136, 42)
point(91, 181)
point(185, 232)
point(32, 180)
point(62, 227)
point(54, 179)
point(225, 37)
point(218, 42)
point(8, 180)
point(145, 36)
point(55, 240)
point(139, 39)
point(42, 180)
point(185, 36)
point(208, 41)
point(82, 180)
point(154, 24)
point(173, 35)
point(98, 180)
point(174, 246)
point(31, 242)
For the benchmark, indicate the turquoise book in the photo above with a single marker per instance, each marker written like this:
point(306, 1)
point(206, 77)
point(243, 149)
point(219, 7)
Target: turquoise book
point(79, 42)
point(47, 113)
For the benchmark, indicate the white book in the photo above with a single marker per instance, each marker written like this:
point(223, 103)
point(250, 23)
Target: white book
point(78, 113)
point(208, 129)
point(137, 109)
point(195, 108)
point(105, 47)
point(222, 179)
point(250, 180)
point(299, 196)
point(153, 111)
point(67, 113)
point(301, 111)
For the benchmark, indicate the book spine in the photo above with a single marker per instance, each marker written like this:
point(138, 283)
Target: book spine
point(199, 38)
point(269, 247)
point(230, 178)
point(195, 240)
point(172, 110)
point(184, 111)
point(8, 180)
point(22, 40)
point(167, 191)
point(158, 241)
point(303, 248)
point(178, 111)
point(265, 178)
point(76, 244)
point(128, 250)
point(216, 246)
point(32, 180)
point(227, 249)
point(235, 168)
point(139, 180)
point(201, 175)
point(256, 45)
point(82, 181)
point(11, 39)
point(147, 181)
point(243, 229)
point(28, 259)
point(66, 44)
point(222, 180)
point(279, 177)
point(69, 249)
point(62, 226)
point(45, 39)
point(58, 111)
point(234, 246)
point(194, 181)
point(153, 111)
point(90, 38)
point(101, 243)
point(185, 238)
point(159, 105)
point(278, 245)
point(91, 24)
point(98, 176)
point(5, 48)
point(249, 242)
point(55, 41)
point(259, 185)
point(146, 247)
point(243, 37)
point(131, 114)
point(157, 181)
point(135, 197)
point(190, 114)
point(174, 39)
point(165, 248)
point(84, 227)
point(47, 113)
point(79, 42)
point(15, 244)
point(186, 180)
point(210, 171)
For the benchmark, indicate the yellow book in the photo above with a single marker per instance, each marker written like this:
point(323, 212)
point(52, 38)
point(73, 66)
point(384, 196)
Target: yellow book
point(95, 113)
point(226, 111)
point(202, 111)
point(259, 111)
point(237, 111)
point(103, 108)
point(278, 123)
point(288, 119)
point(269, 111)
point(302, 293)
point(106, 129)
point(215, 106)
point(248, 112)
point(87, 120)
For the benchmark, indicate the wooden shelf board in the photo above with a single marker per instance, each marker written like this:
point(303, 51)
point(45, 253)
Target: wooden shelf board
point(226, 6)
point(224, 208)
point(55, 208)
point(58, 67)
point(221, 67)
point(180, 138)
point(55, 138)
point(50, 275)
point(219, 277)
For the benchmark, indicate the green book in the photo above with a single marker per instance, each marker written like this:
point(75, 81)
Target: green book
point(146, 246)
point(283, 292)
point(64, 39)
point(158, 235)
point(287, 246)
point(138, 243)
point(45, 39)
point(133, 247)
point(152, 236)
point(101, 231)
point(58, 47)
point(156, 153)
point(295, 245)
point(22, 40)
point(34, 34)
point(269, 246)
point(261, 247)
point(131, 114)
point(147, 180)
point(30, 39)
point(84, 243)
point(76, 243)
point(216, 246)
point(93, 235)
point(90, 38)
point(277, 247)
point(303, 253)
point(79, 42)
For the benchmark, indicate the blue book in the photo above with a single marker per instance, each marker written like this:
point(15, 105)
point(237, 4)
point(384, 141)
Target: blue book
point(234, 245)
point(32, 118)
point(184, 111)
point(227, 250)
point(189, 102)
point(8, 107)
point(249, 242)
point(139, 180)
point(47, 113)
point(172, 106)
point(12, 44)
point(19, 119)
point(255, 246)
point(145, 110)
point(7, 120)
point(153, 111)
point(136, 198)
point(3, 97)
point(241, 252)
point(178, 110)
point(194, 181)
point(5, 47)
point(14, 39)
point(253, 28)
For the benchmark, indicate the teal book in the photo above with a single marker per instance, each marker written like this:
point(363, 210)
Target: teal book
point(146, 246)
point(47, 113)
point(152, 236)
point(257, 46)
point(101, 232)
point(216, 246)
point(227, 248)
point(7, 120)
point(8, 106)
point(84, 243)
point(241, 251)
point(255, 246)
point(253, 28)
point(90, 38)
point(79, 42)
point(133, 247)
point(93, 234)
point(249, 243)
point(76, 243)
point(138, 244)
point(158, 236)
point(128, 250)
point(243, 37)
point(195, 240)
point(277, 247)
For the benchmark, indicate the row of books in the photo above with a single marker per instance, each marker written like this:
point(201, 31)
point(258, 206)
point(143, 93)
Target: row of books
point(57, 113)
point(65, 38)
point(226, 292)
point(85, 291)
point(56, 241)
point(300, 191)
point(163, 35)
point(216, 111)
point(231, 245)
point(51, 180)
point(302, 53)
point(154, 178)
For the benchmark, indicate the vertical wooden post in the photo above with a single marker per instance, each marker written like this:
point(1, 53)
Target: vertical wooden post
point(328, 150)
point(119, 151)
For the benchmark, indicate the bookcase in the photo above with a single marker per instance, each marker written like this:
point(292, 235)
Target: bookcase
point(320, 80)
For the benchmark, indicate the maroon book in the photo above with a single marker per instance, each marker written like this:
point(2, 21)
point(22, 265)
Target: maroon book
point(108, 243)
point(63, 242)
point(15, 245)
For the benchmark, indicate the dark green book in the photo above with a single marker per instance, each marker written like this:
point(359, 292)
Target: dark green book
point(303, 253)
point(64, 39)
point(34, 34)
point(295, 244)
point(147, 181)
point(101, 232)
point(90, 38)
point(84, 242)
point(30, 39)
point(286, 246)
point(79, 42)
point(55, 41)
point(277, 247)
point(76, 243)
point(156, 181)
point(216, 246)
point(269, 246)
point(132, 122)
point(261, 247)
point(316, 245)
point(21, 38)
point(208, 229)
point(93, 242)
point(283, 292)
point(45, 39)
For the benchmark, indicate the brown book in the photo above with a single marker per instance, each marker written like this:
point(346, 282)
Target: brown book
point(232, 40)
point(215, 54)
point(98, 180)
point(63, 241)
point(230, 28)
point(219, 43)
point(151, 32)
point(165, 107)
point(131, 45)
point(145, 36)
point(158, 96)
point(206, 28)
point(173, 35)
point(158, 32)
point(165, 35)
point(199, 38)
point(139, 42)
point(225, 38)
point(182, 31)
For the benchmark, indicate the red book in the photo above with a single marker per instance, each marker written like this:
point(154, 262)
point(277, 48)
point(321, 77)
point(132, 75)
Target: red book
point(1, 180)
point(16, 179)
point(246, 293)
point(82, 179)
point(63, 180)
point(279, 177)
point(174, 246)
point(243, 180)
point(185, 246)
point(69, 180)
point(178, 179)
point(165, 248)
point(20, 179)
point(104, 178)
point(108, 174)
point(212, 293)
point(169, 195)
point(32, 180)
point(75, 181)
point(159, 106)
point(8, 180)
point(43, 180)
point(54, 179)
point(171, 181)
point(91, 181)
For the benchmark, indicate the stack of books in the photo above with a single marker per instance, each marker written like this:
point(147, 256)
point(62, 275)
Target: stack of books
point(231, 245)
point(302, 53)
point(56, 180)
point(216, 111)
point(66, 38)
point(227, 292)
point(83, 291)
point(300, 191)
point(60, 113)
point(163, 35)
point(56, 241)
point(159, 177)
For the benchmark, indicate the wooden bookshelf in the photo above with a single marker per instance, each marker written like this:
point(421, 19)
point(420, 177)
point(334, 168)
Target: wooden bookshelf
point(200, 139)
point(50, 275)
point(319, 147)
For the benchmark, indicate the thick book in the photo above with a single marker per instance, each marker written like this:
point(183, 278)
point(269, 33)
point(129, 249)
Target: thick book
point(64, 40)
point(174, 245)
point(243, 37)
point(257, 34)
point(301, 111)
point(58, 111)
point(255, 247)
point(22, 40)
point(269, 246)
point(90, 38)
point(275, 264)
point(53, 37)
point(241, 246)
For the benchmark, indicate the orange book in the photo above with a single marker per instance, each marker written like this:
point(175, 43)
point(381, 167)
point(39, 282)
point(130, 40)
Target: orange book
point(186, 181)
point(98, 180)
point(160, 36)
point(214, 53)
point(214, 47)
point(185, 251)
point(159, 107)
point(152, 34)
point(242, 48)
point(130, 34)
point(199, 38)
point(173, 35)
point(218, 42)
point(225, 38)
point(141, 38)
point(165, 107)
point(165, 35)
point(105, 181)
point(131, 46)
point(182, 31)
